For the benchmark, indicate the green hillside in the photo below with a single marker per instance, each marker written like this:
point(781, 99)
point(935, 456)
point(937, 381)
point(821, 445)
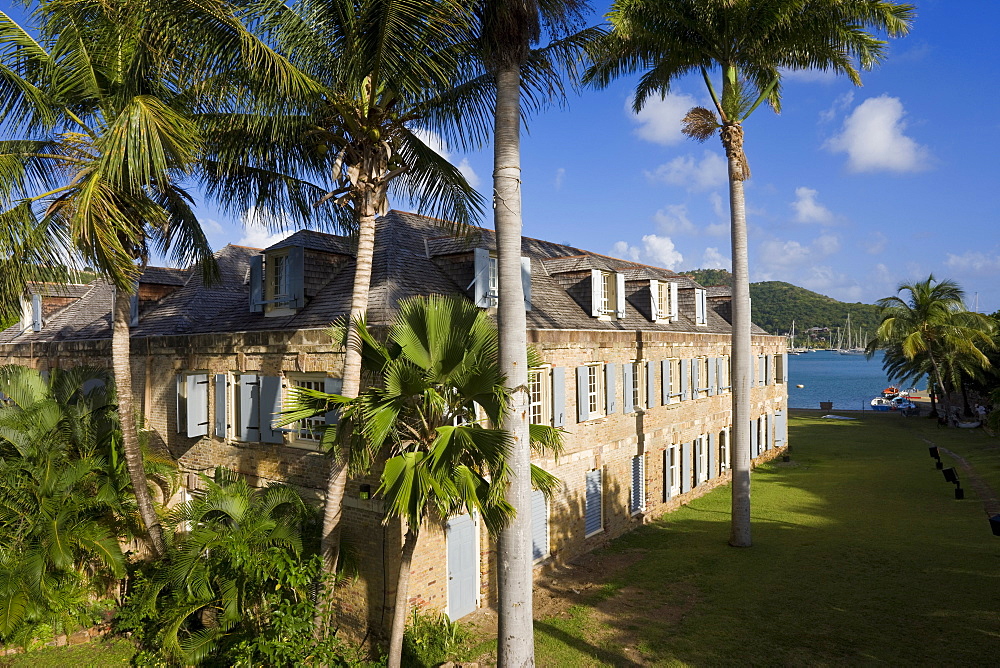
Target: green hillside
point(776, 304)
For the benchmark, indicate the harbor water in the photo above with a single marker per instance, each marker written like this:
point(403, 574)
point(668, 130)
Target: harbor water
point(849, 381)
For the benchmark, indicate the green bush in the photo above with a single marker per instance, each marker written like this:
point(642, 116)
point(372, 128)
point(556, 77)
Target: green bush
point(432, 639)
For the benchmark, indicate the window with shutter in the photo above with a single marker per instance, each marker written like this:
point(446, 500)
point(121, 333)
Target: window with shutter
point(651, 399)
point(700, 307)
point(723, 451)
point(610, 390)
point(246, 407)
point(192, 404)
point(671, 473)
point(628, 387)
point(685, 380)
point(593, 503)
point(685, 468)
point(638, 496)
point(539, 525)
point(270, 408)
point(221, 392)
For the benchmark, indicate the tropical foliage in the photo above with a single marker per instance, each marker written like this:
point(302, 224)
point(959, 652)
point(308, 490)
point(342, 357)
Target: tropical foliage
point(926, 328)
point(426, 421)
point(65, 504)
point(236, 581)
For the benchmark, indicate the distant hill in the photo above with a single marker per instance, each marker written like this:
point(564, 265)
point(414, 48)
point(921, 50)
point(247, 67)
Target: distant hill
point(776, 304)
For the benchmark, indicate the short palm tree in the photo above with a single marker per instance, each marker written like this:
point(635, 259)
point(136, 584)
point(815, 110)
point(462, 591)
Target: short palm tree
point(113, 120)
point(927, 324)
point(426, 420)
point(62, 507)
point(750, 43)
point(232, 546)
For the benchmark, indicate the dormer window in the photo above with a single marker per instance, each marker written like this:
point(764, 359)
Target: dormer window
point(277, 280)
point(663, 296)
point(607, 290)
point(486, 279)
point(700, 306)
point(31, 314)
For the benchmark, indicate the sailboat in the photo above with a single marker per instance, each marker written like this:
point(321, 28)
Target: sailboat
point(855, 349)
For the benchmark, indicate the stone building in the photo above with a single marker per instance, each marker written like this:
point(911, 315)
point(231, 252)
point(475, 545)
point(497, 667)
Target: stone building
point(636, 371)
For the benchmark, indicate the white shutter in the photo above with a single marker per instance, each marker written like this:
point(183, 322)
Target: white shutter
point(36, 313)
point(628, 383)
point(270, 407)
point(593, 510)
point(526, 281)
point(650, 384)
point(582, 403)
point(220, 404)
point(638, 484)
point(197, 404)
point(481, 279)
point(539, 525)
point(619, 295)
point(596, 287)
point(654, 299)
point(673, 301)
point(256, 284)
point(685, 376)
point(665, 382)
point(558, 396)
point(611, 406)
point(249, 398)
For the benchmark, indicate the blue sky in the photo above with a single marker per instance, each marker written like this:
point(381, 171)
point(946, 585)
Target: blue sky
point(853, 191)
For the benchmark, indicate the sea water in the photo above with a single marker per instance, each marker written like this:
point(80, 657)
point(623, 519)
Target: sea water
point(849, 381)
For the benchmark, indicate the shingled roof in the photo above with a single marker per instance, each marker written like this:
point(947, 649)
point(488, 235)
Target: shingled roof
point(412, 257)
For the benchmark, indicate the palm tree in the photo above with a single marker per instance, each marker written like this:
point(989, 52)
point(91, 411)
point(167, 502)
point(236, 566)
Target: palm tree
point(114, 119)
point(233, 550)
point(62, 506)
point(750, 43)
point(931, 329)
point(436, 386)
point(378, 93)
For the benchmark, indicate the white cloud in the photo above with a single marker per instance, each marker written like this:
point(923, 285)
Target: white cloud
point(673, 219)
point(623, 250)
point(713, 259)
point(656, 250)
point(662, 251)
point(777, 254)
point(560, 175)
point(660, 120)
point(841, 103)
point(873, 139)
point(808, 210)
point(974, 262)
point(809, 76)
point(436, 143)
point(257, 234)
point(693, 174)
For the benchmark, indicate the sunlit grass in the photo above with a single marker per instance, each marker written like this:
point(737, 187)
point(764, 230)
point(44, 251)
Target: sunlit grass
point(861, 555)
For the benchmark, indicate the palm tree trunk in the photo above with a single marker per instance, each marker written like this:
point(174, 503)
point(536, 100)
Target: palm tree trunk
point(336, 484)
point(516, 645)
point(121, 364)
point(401, 606)
point(741, 350)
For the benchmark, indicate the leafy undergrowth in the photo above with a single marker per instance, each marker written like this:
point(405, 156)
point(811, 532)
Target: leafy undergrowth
point(861, 555)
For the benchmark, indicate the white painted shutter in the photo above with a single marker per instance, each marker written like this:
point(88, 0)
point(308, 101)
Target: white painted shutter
point(784, 368)
point(526, 281)
point(481, 277)
point(770, 432)
point(332, 386)
point(558, 396)
point(780, 429)
point(249, 391)
point(665, 381)
point(596, 286)
point(593, 511)
point(654, 299)
point(695, 378)
point(685, 467)
point(638, 484)
point(256, 283)
point(710, 457)
point(539, 525)
point(628, 383)
point(620, 295)
point(651, 384)
point(582, 404)
point(220, 404)
point(673, 301)
point(768, 370)
point(610, 383)
point(753, 439)
point(711, 382)
point(36, 313)
point(270, 407)
point(197, 404)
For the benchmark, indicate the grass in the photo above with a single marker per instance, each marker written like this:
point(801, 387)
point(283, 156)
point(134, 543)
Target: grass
point(861, 556)
point(95, 654)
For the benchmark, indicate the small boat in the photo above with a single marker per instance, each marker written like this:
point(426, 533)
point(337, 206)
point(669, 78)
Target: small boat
point(890, 392)
point(881, 404)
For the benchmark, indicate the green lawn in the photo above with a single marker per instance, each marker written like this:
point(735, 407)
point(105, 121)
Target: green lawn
point(97, 654)
point(861, 556)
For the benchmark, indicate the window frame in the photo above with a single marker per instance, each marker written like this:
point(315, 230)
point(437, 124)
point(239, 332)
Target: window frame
point(595, 390)
point(293, 432)
point(672, 484)
point(599, 469)
point(543, 374)
point(638, 383)
point(700, 307)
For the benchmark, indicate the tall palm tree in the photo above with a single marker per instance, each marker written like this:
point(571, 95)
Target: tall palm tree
point(749, 43)
point(507, 32)
point(424, 419)
point(114, 119)
point(382, 65)
point(927, 324)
